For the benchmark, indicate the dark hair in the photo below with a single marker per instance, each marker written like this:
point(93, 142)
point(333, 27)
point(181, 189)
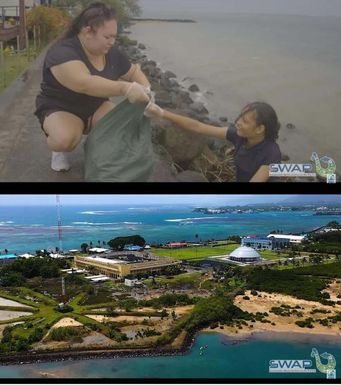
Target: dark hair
point(265, 115)
point(93, 16)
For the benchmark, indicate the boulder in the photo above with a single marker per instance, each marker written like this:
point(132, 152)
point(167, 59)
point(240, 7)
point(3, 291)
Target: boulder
point(169, 75)
point(177, 100)
point(194, 88)
point(141, 46)
point(185, 97)
point(199, 107)
point(156, 73)
point(151, 63)
point(164, 169)
point(223, 119)
point(182, 145)
point(163, 99)
point(165, 82)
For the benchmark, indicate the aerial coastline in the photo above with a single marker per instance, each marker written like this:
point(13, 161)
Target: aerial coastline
point(126, 297)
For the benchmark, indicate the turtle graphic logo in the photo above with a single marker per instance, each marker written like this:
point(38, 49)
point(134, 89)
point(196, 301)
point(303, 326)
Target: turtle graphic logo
point(329, 367)
point(325, 167)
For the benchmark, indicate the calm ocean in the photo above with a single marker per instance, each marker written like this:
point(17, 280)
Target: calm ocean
point(287, 53)
point(24, 229)
point(223, 358)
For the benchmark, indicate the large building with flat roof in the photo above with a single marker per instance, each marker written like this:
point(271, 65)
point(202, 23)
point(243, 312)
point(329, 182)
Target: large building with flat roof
point(282, 240)
point(257, 242)
point(272, 241)
point(120, 268)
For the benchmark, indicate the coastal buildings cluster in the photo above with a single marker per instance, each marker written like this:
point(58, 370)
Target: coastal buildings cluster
point(136, 260)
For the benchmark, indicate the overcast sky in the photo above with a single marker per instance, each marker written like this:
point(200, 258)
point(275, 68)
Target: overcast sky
point(133, 199)
point(184, 8)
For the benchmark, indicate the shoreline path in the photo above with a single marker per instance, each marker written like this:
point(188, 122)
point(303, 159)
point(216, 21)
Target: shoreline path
point(24, 155)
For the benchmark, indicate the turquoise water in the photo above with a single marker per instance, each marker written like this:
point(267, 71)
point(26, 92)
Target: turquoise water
point(31, 228)
point(223, 358)
point(5, 256)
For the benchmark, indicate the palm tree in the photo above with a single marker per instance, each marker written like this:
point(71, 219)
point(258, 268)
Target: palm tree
point(196, 247)
point(84, 247)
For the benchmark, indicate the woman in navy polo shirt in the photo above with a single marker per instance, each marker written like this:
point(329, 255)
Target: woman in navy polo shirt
point(253, 134)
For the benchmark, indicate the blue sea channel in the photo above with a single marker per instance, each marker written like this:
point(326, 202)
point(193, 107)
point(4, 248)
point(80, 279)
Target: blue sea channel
point(223, 358)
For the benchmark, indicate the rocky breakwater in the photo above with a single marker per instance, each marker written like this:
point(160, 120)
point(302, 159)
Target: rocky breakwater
point(185, 156)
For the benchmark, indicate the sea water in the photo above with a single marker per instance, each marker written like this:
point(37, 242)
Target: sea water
point(287, 53)
point(224, 357)
point(27, 229)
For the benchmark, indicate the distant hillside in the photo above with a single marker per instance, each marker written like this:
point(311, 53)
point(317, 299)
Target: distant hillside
point(312, 199)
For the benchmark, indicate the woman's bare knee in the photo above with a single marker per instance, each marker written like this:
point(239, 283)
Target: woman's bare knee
point(64, 131)
point(60, 145)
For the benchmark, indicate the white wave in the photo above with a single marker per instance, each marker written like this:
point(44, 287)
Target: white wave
point(142, 208)
point(98, 212)
point(6, 223)
point(132, 223)
point(189, 219)
point(95, 223)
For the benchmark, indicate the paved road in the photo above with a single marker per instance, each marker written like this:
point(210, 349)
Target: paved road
point(24, 155)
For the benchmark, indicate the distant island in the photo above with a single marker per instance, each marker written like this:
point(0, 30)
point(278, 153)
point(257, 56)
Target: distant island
point(164, 20)
point(318, 210)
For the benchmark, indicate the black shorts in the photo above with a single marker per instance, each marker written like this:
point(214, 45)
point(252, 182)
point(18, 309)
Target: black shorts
point(43, 114)
point(46, 106)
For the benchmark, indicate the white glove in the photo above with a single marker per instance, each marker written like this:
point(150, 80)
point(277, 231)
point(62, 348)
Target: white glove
point(150, 93)
point(153, 111)
point(137, 93)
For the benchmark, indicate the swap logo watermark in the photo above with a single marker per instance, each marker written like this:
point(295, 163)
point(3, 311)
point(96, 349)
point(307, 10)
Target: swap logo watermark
point(324, 168)
point(307, 365)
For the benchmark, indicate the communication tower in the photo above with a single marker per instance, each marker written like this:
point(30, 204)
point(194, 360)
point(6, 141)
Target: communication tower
point(60, 234)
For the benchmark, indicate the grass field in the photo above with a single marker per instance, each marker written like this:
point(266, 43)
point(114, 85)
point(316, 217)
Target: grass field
point(200, 253)
point(13, 65)
point(290, 266)
point(187, 278)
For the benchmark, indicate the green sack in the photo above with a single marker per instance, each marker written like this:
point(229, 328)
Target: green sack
point(119, 148)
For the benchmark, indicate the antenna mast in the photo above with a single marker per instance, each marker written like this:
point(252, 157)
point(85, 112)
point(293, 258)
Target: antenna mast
point(60, 234)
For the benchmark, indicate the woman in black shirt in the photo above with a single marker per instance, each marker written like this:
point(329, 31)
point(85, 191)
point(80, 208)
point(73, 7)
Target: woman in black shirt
point(81, 71)
point(253, 134)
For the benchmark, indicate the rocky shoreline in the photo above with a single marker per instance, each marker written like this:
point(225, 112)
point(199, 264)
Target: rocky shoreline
point(36, 357)
point(187, 157)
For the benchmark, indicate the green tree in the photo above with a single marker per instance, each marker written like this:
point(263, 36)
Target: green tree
point(164, 314)
point(12, 279)
point(124, 8)
point(84, 247)
point(119, 242)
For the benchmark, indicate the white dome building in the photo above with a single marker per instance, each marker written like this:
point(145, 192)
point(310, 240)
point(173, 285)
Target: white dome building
point(244, 254)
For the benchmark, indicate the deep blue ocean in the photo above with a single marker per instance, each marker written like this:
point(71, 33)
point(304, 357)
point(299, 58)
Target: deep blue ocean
point(223, 358)
point(26, 229)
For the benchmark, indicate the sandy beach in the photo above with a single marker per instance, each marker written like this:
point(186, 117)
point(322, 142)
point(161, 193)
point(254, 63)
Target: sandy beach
point(67, 321)
point(8, 302)
point(6, 315)
point(263, 302)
